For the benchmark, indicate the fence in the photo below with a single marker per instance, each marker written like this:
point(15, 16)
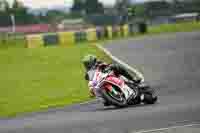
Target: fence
point(35, 28)
point(76, 37)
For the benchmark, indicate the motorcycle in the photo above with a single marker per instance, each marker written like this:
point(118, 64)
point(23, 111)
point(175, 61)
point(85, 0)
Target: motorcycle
point(119, 92)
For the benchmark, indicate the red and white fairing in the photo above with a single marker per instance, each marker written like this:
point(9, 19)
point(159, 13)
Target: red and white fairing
point(106, 81)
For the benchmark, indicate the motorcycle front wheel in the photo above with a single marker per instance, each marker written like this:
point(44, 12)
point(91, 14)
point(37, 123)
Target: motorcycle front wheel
point(116, 100)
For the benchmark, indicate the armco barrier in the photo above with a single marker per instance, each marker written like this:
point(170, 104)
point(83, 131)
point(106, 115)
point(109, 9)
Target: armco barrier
point(34, 41)
point(51, 39)
point(121, 31)
point(80, 36)
point(66, 38)
point(109, 31)
point(105, 32)
point(142, 27)
point(116, 31)
point(126, 30)
point(91, 35)
point(131, 29)
point(100, 33)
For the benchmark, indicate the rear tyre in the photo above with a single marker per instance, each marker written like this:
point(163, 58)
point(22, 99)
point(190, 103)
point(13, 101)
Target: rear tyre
point(118, 101)
point(149, 99)
point(150, 95)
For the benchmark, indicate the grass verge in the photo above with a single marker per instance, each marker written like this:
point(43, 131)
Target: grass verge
point(179, 27)
point(35, 79)
point(161, 29)
point(14, 42)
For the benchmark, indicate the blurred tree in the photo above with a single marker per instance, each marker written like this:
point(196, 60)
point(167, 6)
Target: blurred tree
point(54, 16)
point(194, 5)
point(4, 13)
point(78, 6)
point(123, 10)
point(157, 8)
point(21, 13)
point(89, 7)
point(177, 6)
point(140, 10)
point(186, 6)
point(4, 6)
point(131, 11)
point(93, 7)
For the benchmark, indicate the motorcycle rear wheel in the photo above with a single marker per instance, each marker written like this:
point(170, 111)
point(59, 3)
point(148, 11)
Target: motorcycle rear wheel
point(150, 94)
point(149, 99)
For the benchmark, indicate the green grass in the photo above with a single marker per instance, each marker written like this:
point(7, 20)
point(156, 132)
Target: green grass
point(19, 42)
point(35, 79)
point(179, 27)
point(161, 29)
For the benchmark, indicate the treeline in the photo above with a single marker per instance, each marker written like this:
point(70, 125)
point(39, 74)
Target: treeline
point(127, 11)
point(18, 10)
point(153, 9)
point(23, 15)
point(87, 7)
point(83, 8)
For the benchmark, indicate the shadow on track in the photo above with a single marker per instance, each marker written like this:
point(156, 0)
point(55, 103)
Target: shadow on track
point(112, 108)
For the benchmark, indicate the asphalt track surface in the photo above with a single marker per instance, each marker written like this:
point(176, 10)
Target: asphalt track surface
point(171, 63)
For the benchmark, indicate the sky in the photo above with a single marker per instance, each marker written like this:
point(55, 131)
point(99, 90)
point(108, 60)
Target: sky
point(47, 3)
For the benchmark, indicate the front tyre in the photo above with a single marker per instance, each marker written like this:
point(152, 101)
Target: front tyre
point(116, 100)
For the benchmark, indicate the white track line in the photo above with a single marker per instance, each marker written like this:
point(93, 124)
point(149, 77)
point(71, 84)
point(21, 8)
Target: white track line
point(108, 53)
point(168, 128)
point(88, 102)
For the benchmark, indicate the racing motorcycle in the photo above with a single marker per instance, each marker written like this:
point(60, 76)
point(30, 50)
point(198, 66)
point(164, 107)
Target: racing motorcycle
point(120, 92)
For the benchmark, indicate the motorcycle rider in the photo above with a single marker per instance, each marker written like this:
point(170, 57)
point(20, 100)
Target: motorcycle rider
point(91, 63)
